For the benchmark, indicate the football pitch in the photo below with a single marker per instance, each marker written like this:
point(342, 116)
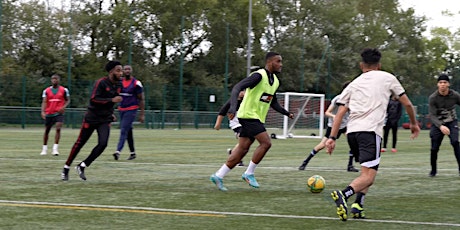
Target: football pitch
point(167, 186)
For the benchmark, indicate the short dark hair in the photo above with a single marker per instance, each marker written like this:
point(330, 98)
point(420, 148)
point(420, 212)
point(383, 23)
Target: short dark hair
point(57, 75)
point(371, 56)
point(111, 64)
point(270, 55)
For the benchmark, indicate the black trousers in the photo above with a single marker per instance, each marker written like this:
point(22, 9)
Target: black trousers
point(103, 132)
point(436, 139)
point(386, 132)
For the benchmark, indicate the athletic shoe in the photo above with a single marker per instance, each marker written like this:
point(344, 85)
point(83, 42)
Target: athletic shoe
point(302, 166)
point(43, 153)
point(132, 156)
point(65, 174)
point(341, 203)
point(116, 155)
point(218, 182)
point(81, 172)
point(383, 150)
point(55, 152)
point(394, 150)
point(432, 173)
point(357, 211)
point(241, 163)
point(351, 168)
point(250, 179)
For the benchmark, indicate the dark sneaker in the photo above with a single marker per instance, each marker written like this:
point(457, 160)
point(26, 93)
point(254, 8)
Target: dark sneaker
point(65, 174)
point(341, 203)
point(132, 156)
point(357, 211)
point(116, 155)
point(241, 163)
point(81, 172)
point(302, 166)
point(351, 168)
point(432, 173)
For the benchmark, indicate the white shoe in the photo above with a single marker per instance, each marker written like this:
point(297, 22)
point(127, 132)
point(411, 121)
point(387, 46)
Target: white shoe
point(55, 152)
point(43, 153)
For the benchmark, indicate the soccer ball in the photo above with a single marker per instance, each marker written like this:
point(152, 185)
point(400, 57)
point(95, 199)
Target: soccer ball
point(316, 184)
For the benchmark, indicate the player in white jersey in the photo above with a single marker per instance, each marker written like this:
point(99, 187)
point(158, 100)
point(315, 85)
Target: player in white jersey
point(366, 99)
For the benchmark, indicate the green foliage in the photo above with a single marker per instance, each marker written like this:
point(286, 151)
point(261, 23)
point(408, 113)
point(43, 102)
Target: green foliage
point(207, 41)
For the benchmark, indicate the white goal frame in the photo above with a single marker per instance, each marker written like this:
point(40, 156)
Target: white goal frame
point(288, 128)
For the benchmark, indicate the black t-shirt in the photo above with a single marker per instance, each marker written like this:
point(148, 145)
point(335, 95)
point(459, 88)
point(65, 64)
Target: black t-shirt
point(101, 107)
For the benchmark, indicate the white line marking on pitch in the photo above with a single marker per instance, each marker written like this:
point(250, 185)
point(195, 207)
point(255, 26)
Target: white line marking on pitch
point(198, 212)
point(383, 169)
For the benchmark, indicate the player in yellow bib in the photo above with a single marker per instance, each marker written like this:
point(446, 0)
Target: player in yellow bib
point(260, 94)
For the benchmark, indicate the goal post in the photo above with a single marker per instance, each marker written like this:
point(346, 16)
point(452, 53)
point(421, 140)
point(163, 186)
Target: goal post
point(308, 121)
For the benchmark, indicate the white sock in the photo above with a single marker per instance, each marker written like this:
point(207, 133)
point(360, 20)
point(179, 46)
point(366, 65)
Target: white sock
point(82, 164)
point(66, 167)
point(45, 148)
point(252, 166)
point(55, 146)
point(224, 170)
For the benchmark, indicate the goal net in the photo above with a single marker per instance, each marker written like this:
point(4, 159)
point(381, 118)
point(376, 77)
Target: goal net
point(308, 119)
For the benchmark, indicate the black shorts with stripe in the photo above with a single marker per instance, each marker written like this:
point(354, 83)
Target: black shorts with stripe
point(365, 147)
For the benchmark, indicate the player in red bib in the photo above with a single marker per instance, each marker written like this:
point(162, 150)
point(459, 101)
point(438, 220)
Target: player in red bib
point(55, 99)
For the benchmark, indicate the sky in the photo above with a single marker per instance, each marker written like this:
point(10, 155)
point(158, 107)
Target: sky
point(433, 9)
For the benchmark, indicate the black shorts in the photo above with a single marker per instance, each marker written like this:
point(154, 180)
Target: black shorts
point(251, 128)
point(328, 132)
point(237, 131)
point(365, 147)
point(49, 121)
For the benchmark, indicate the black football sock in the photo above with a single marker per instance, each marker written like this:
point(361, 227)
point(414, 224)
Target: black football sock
point(348, 192)
point(350, 159)
point(312, 154)
point(360, 198)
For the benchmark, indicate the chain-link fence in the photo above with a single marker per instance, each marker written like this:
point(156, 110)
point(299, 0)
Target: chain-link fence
point(166, 105)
